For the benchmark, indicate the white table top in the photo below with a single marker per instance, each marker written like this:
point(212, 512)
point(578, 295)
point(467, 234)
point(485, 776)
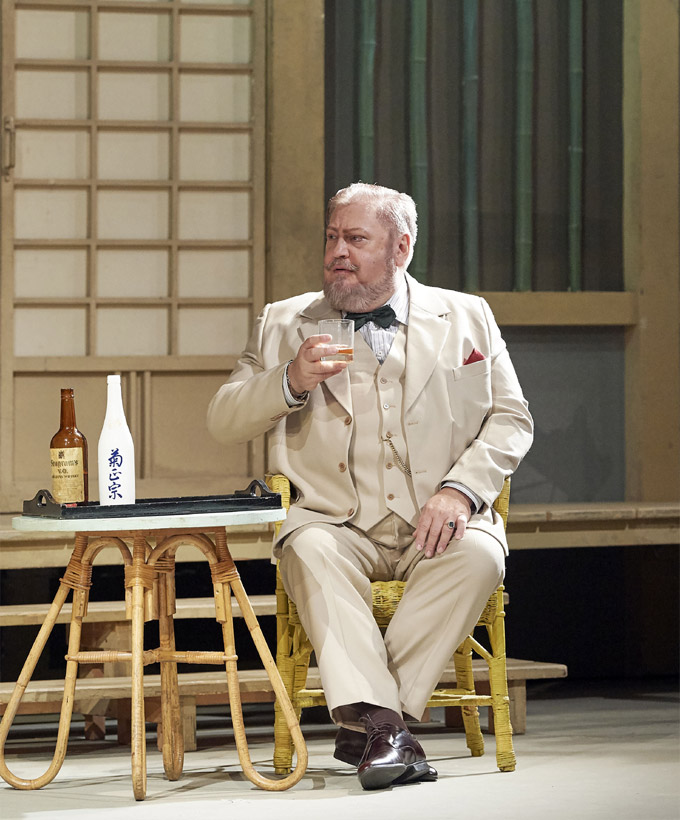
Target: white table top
point(208, 520)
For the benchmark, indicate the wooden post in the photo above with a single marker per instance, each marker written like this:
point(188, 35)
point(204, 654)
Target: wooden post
point(295, 149)
point(651, 248)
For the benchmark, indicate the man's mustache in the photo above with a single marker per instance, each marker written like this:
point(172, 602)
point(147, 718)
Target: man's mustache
point(345, 264)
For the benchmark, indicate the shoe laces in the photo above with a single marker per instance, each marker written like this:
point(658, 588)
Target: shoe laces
point(376, 728)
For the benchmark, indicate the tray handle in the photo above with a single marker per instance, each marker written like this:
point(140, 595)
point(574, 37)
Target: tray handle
point(42, 503)
point(256, 488)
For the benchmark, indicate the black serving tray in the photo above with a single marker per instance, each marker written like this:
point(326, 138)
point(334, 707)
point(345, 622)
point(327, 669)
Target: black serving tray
point(257, 496)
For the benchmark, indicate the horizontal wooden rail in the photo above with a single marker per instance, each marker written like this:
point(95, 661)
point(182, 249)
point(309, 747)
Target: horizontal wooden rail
point(114, 611)
point(210, 688)
point(555, 309)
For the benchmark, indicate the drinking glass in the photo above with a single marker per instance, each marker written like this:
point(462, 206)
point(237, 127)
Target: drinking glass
point(341, 332)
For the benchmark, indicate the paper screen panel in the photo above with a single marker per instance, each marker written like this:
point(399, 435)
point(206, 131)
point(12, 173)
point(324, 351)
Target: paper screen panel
point(128, 214)
point(214, 98)
point(133, 331)
point(214, 39)
point(43, 34)
point(216, 157)
point(134, 37)
point(52, 95)
point(221, 215)
point(54, 154)
point(208, 273)
point(132, 274)
point(133, 95)
point(133, 155)
point(50, 273)
point(49, 331)
point(50, 214)
point(219, 2)
point(212, 331)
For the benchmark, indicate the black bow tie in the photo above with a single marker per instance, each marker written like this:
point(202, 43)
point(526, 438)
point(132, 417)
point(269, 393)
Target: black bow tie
point(383, 316)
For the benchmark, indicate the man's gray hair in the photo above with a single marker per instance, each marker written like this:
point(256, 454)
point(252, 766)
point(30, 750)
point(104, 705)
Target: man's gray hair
point(396, 210)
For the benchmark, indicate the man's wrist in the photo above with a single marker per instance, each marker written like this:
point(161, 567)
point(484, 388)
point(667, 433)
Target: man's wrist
point(292, 398)
point(473, 498)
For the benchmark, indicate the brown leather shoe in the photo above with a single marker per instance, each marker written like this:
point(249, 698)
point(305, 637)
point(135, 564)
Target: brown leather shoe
point(349, 746)
point(392, 755)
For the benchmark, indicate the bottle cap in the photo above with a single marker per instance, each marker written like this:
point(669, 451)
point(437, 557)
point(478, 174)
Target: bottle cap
point(113, 379)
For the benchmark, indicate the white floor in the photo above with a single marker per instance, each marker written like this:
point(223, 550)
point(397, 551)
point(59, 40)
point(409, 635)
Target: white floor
point(587, 754)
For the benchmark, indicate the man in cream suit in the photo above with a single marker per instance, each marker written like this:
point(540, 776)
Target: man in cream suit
point(395, 459)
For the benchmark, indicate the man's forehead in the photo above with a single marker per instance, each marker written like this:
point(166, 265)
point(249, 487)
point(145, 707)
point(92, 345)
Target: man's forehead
point(353, 217)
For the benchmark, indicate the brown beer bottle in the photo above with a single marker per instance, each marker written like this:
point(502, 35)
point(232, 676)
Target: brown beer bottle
point(68, 455)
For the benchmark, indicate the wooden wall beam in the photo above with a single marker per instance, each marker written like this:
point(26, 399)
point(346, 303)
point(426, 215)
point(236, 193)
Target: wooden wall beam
point(295, 147)
point(651, 248)
point(548, 308)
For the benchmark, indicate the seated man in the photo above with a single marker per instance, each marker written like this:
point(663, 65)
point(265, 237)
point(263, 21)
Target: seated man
point(395, 459)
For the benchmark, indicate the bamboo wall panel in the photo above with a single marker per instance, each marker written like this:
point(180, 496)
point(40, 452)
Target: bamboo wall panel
point(519, 152)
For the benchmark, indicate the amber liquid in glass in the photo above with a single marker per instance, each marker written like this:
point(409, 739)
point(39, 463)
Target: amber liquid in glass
point(344, 354)
point(68, 456)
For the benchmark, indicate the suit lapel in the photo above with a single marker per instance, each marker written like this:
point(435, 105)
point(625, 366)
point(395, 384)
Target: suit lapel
point(337, 385)
point(427, 333)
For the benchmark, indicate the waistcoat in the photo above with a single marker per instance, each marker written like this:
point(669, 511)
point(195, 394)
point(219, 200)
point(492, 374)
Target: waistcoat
point(377, 403)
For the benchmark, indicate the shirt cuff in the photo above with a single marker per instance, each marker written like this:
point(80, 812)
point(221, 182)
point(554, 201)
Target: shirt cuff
point(291, 400)
point(475, 501)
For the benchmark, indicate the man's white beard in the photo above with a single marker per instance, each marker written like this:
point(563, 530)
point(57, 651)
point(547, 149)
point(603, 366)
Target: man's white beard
point(359, 298)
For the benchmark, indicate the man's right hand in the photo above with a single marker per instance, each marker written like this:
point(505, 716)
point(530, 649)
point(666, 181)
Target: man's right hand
point(307, 370)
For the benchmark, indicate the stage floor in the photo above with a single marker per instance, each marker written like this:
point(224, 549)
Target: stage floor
point(588, 753)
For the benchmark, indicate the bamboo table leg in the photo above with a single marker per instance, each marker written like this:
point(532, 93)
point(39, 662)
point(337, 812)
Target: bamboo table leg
point(135, 579)
point(171, 718)
point(77, 577)
point(225, 579)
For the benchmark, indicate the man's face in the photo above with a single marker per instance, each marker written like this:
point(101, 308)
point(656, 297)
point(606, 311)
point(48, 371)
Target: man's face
point(361, 259)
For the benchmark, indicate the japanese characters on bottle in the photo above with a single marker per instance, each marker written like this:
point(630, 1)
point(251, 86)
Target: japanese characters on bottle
point(116, 452)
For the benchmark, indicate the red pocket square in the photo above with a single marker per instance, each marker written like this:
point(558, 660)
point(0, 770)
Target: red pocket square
point(475, 356)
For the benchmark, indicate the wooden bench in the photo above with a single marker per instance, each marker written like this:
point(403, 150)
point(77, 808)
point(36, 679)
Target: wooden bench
point(106, 694)
point(111, 695)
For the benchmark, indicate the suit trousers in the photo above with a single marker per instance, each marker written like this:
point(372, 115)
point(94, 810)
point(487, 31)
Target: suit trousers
point(327, 570)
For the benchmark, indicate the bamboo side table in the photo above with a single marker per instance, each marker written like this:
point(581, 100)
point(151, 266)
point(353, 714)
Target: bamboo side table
point(150, 594)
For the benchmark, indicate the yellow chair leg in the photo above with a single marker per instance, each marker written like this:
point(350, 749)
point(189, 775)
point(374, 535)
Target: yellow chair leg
point(462, 660)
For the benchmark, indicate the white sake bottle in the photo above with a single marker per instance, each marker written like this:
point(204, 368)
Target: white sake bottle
point(116, 452)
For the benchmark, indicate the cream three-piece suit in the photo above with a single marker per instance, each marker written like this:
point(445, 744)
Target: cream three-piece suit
point(355, 507)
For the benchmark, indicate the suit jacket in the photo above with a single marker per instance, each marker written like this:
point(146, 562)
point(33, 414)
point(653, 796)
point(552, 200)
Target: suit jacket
point(467, 423)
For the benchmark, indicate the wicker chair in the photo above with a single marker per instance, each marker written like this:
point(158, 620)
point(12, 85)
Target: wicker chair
point(294, 651)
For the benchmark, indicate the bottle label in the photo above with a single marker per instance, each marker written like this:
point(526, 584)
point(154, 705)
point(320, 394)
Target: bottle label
point(68, 480)
point(117, 483)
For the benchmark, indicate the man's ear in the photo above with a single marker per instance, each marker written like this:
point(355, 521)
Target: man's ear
point(403, 249)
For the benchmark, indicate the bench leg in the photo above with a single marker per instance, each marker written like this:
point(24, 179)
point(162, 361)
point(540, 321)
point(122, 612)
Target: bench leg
point(102, 636)
point(187, 706)
point(186, 722)
point(121, 710)
point(517, 692)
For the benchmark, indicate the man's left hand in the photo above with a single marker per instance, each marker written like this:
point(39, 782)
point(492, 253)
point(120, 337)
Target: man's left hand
point(433, 532)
